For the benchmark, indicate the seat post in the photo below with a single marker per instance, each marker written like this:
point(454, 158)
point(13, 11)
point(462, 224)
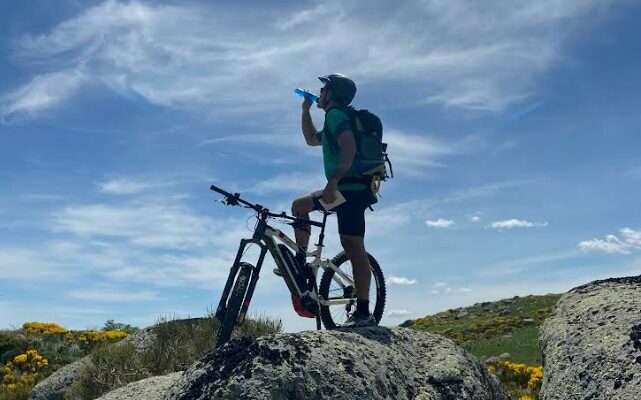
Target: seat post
point(321, 237)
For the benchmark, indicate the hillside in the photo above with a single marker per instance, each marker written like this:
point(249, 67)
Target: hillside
point(492, 328)
point(484, 329)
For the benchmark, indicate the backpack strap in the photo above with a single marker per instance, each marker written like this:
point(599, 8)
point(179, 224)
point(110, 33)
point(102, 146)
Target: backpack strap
point(354, 122)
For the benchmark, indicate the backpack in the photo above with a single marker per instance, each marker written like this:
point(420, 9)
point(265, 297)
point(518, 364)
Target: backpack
point(371, 152)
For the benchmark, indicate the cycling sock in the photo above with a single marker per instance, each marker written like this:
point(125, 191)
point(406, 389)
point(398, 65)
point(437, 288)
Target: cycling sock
point(362, 307)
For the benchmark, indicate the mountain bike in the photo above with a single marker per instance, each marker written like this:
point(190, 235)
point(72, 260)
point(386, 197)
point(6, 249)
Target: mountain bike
point(331, 302)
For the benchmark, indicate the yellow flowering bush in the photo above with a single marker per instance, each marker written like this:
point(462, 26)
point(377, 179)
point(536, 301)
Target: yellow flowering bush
point(35, 328)
point(519, 376)
point(88, 339)
point(23, 372)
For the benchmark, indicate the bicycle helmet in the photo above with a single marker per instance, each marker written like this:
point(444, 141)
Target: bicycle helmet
point(343, 88)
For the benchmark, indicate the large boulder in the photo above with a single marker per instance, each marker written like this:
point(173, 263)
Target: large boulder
point(364, 363)
point(153, 388)
point(591, 343)
point(56, 384)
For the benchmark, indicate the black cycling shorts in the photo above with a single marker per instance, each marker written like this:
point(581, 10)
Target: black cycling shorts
point(351, 214)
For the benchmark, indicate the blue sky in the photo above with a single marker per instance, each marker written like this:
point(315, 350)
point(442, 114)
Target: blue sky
point(513, 128)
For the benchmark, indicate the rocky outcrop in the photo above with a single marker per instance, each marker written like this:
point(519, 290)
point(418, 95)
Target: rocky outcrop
point(56, 384)
point(153, 388)
point(364, 363)
point(591, 343)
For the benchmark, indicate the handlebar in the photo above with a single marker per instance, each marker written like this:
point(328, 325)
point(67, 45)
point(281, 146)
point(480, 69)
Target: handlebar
point(234, 200)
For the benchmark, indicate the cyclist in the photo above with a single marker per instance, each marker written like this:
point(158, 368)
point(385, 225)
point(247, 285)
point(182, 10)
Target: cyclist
point(339, 150)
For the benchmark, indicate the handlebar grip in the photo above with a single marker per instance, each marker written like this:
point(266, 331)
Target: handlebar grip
point(219, 190)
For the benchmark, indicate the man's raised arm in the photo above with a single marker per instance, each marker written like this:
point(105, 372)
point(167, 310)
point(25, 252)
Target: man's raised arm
point(309, 130)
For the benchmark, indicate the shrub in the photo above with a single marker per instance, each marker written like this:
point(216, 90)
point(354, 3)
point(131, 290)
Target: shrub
point(111, 325)
point(258, 325)
point(176, 344)
point(15, 392)
point(57, 350)
point(89, 339)
point(111, 367)
point(521, 380)
point(35, 328)
point(12, 344)
point(21, 374)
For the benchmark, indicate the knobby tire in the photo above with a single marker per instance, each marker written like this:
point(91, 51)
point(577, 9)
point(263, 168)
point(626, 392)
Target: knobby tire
point(234, 304)
point(377, 284)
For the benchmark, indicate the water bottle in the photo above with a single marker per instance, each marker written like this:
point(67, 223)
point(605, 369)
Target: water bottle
point(308, 95)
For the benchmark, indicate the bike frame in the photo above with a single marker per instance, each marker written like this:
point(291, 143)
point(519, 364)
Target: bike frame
point(266, 236)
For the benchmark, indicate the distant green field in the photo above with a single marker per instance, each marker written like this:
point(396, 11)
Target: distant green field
point(493, 328)
point(522, 344)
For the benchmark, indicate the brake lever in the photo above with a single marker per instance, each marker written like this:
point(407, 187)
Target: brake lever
point(232, 201)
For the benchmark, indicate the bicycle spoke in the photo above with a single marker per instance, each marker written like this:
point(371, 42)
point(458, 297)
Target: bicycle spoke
point(340, 315)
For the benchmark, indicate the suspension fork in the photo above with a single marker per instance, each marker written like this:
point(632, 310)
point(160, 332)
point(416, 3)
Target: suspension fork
point(222, 305)
point(252, 283)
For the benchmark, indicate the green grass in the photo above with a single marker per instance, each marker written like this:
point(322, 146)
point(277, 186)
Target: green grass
point(522, 344)
point(492, 328)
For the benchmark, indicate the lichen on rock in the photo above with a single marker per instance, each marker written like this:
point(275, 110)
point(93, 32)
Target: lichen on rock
point(591, 343)
point(371, 363)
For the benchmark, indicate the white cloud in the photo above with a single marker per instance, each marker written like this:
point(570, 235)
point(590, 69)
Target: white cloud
point(630, 239)
point(294, 182)
point(310, 16)
point(475, 217)
point(24, 265)
point(124, 186)
point(112, 295)
point(387, 219)
point(520, 265)
point(398, 313)
point(194, 56)
point(631, 236)
point(444, 288)
point(13, 314)
point(516, 223)
point(412, 152)
point(44, 91)
point(161, 242)
point(440, 223)
point(399, 280)
point(152, 225)
point(479, 191)
point(611, 244)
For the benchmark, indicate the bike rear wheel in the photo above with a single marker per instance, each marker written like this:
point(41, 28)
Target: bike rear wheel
point(333, 316)
point(234, 303)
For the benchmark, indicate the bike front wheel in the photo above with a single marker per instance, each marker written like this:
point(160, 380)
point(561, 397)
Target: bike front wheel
point(234, 303)
point(334, 287)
